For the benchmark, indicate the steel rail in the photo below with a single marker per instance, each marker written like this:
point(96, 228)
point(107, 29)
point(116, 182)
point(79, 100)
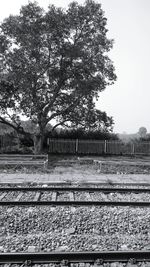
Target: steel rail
point(71, 183)
point(81, 183)
point(96, 189)
point(75, 203)
point(88, 256)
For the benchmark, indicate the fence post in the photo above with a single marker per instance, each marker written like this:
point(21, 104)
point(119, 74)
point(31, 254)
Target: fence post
point(133, 149)
point(77, 144)
point(105, 147)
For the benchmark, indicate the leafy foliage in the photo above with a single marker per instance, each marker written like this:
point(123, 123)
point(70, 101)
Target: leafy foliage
point(80, 133)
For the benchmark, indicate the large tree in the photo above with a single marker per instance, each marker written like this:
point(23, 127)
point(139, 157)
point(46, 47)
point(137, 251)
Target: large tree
point(53, 66)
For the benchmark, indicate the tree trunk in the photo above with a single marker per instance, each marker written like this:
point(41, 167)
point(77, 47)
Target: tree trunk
point(38, 143)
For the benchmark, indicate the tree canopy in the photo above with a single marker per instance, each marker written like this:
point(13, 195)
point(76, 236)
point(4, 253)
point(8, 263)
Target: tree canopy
point(53, 66)
point(142, 132)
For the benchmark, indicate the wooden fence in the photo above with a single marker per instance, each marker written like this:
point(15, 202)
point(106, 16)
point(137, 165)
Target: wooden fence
point(85, 147)
point(96, 147)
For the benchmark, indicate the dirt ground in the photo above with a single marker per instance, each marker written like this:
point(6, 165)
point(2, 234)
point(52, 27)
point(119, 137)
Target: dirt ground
point(83, 170)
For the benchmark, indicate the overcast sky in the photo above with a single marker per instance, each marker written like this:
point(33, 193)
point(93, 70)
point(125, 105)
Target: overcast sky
point(128, 100)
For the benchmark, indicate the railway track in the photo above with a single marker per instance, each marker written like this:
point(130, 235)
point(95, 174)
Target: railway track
point(58, 195)
point(66, 258)
point(95, 258)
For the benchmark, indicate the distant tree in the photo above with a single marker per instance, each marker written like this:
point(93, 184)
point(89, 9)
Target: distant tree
point(142, 132)
point(53, 66)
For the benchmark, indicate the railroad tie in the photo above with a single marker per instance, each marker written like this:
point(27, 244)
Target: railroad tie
point(37, 196)
point(88, 196)
point(3, 195)
point(71, 196)
point(19, 196)
point(54, 196)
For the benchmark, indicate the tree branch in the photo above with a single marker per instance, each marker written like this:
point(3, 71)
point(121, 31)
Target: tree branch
point(18, 129)
point(56, 114)
point(60, 123)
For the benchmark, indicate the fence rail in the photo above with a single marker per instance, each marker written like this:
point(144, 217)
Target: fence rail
point(96, 147)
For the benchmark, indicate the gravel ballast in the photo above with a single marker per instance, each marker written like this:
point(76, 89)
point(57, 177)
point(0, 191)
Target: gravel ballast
point(74, 228)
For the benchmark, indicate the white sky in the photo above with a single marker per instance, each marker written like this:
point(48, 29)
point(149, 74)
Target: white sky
point(129, 25)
